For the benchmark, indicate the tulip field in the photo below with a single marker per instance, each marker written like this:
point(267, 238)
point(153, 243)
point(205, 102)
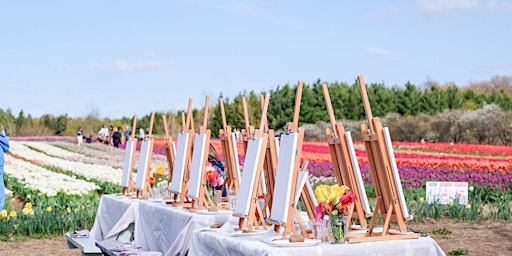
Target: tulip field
point(54, 184)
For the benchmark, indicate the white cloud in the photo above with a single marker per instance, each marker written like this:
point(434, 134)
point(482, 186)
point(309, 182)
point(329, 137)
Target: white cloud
point(380, 51)
point(150, 52)
point(440, 6)
point(124, 66)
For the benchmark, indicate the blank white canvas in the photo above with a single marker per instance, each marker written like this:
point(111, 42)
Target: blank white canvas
point(359, 178)
point(196, 170)
point(311, 192)
point(301, 180)
point(235, 150)
point(263, 182)
point(396, 176)
point(243, 200)
point(128, 159)
point(284, 173)
point(179, 163)
point(143, 163)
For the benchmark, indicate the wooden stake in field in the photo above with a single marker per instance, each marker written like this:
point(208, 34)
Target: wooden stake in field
point(143, 170)
point(129, 160)
point(345, 168)
point(182, 161)
point(390, 202)
point(228, 142)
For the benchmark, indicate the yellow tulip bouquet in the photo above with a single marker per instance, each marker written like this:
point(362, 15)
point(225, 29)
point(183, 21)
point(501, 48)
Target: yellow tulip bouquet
point(334, 201)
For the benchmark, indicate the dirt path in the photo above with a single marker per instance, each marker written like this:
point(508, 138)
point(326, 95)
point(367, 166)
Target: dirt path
point(476, 238)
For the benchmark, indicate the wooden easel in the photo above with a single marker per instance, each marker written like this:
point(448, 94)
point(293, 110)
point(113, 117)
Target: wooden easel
point(388, 203)
point(232, 181)
point(342, 162)
point(145, 190)
point(202, 200)
point(129, 159)
point(270, 164)
point(186, 140)
point(247, 133)
point(170, 149)
point(288, 203)
point(247, 200)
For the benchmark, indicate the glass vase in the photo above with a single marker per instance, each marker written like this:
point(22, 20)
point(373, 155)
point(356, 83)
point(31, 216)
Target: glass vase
point(339, 229)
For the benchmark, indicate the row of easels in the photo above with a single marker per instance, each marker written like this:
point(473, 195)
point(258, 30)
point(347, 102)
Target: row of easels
point(390, 205)
point(141, 187)
point(273, 172)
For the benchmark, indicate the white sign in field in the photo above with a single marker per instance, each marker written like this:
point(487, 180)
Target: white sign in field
point(446, 192)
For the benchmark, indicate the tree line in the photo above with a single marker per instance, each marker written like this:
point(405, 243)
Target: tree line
point(479, 113)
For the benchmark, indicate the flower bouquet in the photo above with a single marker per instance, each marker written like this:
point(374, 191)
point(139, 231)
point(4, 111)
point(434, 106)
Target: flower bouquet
point(214, 180)
point(335, 202)
point(158, 179)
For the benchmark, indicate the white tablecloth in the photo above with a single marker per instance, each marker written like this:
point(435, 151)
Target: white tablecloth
point(168, 229)
point(215, 243)
point(114, 214)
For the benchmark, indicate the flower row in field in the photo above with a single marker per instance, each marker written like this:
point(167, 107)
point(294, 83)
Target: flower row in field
point(477, 149)
point(89, 153)
point(47, 182)
point(416, 176)
point(319, 154)
point(89, 171)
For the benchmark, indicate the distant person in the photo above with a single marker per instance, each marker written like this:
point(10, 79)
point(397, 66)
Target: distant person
point(121, 134)
point(4, 146)
point(88, 138)
point(80, 136)
point(141, 134)
point(116, 137)
point(127, 133)
point(110, 132)
point(103, 134)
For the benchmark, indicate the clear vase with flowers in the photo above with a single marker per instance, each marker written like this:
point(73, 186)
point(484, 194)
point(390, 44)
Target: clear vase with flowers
point(335, 202)
point(214, 181)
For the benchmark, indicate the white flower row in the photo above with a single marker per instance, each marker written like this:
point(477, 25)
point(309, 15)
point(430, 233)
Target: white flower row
point(47, 182)
point(89, 171)
point(84, 153)
point(102, 154)
point(50, 149)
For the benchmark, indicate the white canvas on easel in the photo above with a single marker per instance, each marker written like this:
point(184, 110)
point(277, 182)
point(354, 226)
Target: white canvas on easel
point(143, 164)
point(358, 176)
point(179, 163)
point(311, 192)
point(302, 177)
point(128, 163)
point(396, 176)
point(243, 201)
point(235, 149)
point(196, 170)
point(284, 174)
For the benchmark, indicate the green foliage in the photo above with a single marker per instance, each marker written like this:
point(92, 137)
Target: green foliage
point(50, 217)
point(458, 252)
point(441, 232)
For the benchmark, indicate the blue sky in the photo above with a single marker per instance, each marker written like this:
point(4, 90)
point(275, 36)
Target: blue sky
point(120, 58)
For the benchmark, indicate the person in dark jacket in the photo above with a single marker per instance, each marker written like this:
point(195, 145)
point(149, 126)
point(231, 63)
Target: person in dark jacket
point(116, 137)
